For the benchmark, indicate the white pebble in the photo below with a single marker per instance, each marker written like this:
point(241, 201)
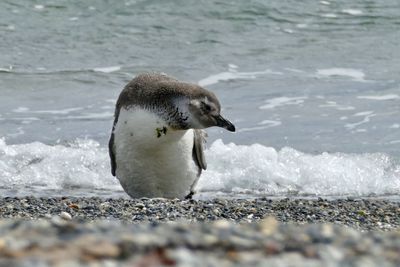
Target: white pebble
point(221, 224)
point(66, 216)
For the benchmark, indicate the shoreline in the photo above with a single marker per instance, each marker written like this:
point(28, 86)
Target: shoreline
point(71, 231)
point(59, 242)
point(360, 214)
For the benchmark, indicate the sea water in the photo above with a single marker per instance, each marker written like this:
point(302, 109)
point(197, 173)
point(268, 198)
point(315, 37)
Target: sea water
point(313, 88)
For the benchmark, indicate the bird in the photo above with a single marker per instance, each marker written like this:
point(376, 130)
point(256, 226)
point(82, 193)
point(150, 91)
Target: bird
point(157, 140)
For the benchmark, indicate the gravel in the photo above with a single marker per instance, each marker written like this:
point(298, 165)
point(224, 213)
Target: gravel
point(357, 213)
point(219, 232)
point(58, 242)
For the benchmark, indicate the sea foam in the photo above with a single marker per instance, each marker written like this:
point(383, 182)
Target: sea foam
point(107, 69)
point(282, 101)
point(233, 74)
point(353, 12)
point(261, 170)
point(380, 97)
point(82, 164)
point(255, 170)
point(355, 74)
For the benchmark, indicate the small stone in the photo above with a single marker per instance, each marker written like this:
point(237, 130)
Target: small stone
point(273, 247)
point(66, 216)
point(222, 224)
point(139, 205)
point(2, 244)
point(327, 231)
point(269, 225)
point(310, 252)
point(104, 206)
point(73, 206)
point(102, 250)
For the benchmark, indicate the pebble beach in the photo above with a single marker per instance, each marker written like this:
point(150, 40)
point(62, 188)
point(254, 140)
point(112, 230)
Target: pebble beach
point(218, 232)
point(312, 87)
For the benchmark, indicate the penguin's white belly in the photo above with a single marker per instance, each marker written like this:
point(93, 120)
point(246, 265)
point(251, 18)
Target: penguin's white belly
point(153, 160)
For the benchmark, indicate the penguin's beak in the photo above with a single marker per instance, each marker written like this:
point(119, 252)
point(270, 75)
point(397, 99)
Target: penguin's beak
point(224, 123)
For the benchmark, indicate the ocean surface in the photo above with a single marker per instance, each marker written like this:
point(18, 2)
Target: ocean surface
point(313, 88)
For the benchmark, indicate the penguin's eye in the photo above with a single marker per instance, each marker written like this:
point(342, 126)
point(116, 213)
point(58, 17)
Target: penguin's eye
point(206, 107)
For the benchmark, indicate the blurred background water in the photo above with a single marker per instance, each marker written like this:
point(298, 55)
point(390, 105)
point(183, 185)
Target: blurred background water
point(296, 77)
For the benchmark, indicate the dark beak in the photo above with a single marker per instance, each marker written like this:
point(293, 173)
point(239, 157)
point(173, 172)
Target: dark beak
point(224, 123)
